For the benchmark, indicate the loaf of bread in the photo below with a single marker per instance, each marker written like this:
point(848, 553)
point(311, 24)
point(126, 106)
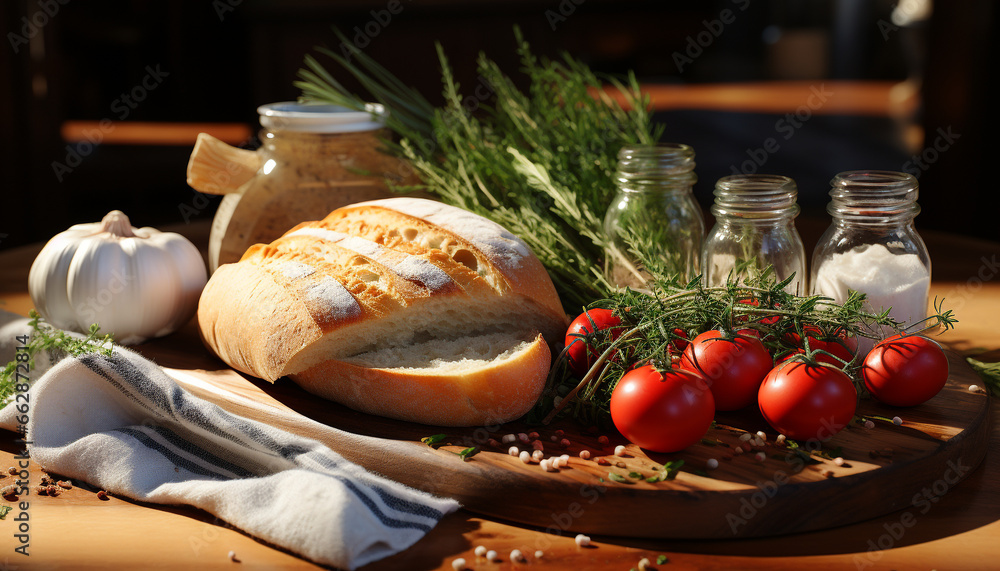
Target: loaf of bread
point(403, 307)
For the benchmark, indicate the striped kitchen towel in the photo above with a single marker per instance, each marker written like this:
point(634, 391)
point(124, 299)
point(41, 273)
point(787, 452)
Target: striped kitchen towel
point(121, 423)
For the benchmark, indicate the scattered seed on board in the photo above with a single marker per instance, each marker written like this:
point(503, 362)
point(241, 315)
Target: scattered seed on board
point(737, 449)
point(102, 495)
point(493, 442)
point(712, 464)
point(780, 439)
point(973, 388)
point(582, 540)
point(564, 460)
point(585, 454)
point(538, 445)
point(525, 457)
point(491, 555)
point(745, 437)
point(508, 438)
point(897, 421)
point(533, 435)
point(838, 461)
point(603, 440)
point(564, 443)
point(869, 424)
point(12, 471)
point(480, 550)
point(644, 564)
point(539, 554)
point(233, 558)
point(760, 456)
point(619, 450)
point(523, 437)
point(513, 451)
point(516, 556)
point(458, 564)
point(537, 455)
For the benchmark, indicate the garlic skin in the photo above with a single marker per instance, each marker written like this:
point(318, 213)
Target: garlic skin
point(136, 283)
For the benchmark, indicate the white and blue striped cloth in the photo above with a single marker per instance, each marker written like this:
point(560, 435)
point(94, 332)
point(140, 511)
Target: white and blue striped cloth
point(122, 424)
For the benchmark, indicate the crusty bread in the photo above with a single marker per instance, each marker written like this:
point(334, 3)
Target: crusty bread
point(435, 305)
point(478, 380)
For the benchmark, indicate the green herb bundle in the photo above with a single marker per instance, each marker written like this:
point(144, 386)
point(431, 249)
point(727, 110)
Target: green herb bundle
point(540, 163)
point(657, 323)
point(45, 338)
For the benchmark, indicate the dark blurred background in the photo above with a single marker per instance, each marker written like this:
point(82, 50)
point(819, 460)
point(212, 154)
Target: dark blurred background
point(869, 84)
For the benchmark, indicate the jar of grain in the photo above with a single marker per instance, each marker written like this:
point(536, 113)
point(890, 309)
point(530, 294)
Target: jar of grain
point(312, 160)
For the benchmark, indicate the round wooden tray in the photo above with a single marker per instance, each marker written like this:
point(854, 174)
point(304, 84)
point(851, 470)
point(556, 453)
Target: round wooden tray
point(885, 468)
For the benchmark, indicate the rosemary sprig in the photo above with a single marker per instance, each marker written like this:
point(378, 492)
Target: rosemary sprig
point(539, 162)
point(748, 302)
point(45, 337)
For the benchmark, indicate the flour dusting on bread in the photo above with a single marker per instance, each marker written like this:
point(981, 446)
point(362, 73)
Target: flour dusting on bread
point(400, 307)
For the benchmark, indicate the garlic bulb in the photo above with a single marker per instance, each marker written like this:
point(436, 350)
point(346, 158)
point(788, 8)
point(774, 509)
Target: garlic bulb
point(135, 283)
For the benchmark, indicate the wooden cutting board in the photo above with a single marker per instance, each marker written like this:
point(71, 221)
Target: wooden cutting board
point(885, 468)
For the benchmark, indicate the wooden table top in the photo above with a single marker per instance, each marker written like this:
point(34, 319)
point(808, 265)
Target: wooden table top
point(956, 531)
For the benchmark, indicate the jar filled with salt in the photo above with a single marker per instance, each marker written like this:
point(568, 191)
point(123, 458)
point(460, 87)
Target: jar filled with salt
point(755, 229)
point(873, 248)
point(654, 218)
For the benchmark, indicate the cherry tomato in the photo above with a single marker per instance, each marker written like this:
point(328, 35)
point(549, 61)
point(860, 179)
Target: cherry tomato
point(842, 345)
point(905, 370)
point(806, 402)
point(662, 411)
point(581, 354)
point(766, 320)
point(733, 367)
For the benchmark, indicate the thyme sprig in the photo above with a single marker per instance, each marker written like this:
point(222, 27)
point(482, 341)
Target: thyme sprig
point(46, 338)
point(539, 162)
point(656, 322)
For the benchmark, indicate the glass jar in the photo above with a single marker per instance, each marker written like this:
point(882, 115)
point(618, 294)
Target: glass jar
point(312, 160)
point(872, 246)
point(654, 220)
point(755, 223)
